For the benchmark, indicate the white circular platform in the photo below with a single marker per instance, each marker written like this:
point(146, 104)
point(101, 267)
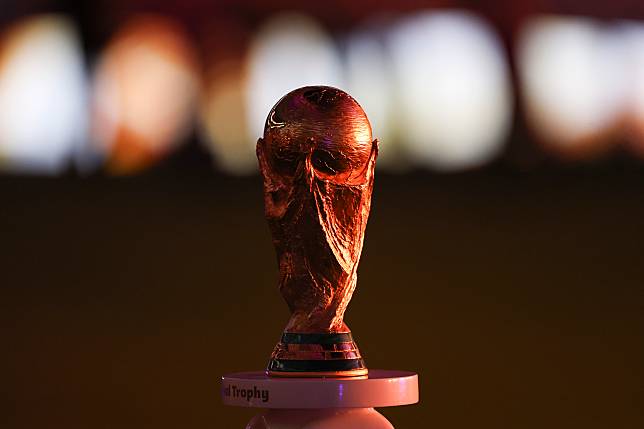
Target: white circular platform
point(381, 388)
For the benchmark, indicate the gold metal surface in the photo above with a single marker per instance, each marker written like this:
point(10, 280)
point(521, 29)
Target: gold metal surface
point(317, 161)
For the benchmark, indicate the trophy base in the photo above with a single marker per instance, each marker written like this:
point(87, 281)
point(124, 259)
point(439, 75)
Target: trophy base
point(342, 403)
point(316, 355)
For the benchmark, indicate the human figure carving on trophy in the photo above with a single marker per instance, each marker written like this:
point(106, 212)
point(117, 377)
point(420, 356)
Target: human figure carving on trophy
point(317, 160)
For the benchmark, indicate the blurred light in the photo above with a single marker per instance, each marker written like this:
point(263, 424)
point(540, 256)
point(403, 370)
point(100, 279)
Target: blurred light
point(144, 93)
point(368, 80)
point(42, 95)
point(455, 101)
point(633, 38)
point(289, 51)
point(223, 117)
point(571, 73)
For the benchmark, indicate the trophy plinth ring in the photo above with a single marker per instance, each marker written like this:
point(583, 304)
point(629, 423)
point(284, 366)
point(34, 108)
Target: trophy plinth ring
point(317, 355)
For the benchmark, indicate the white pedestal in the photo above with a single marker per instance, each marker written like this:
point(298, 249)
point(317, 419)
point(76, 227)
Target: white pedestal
point(320, 403)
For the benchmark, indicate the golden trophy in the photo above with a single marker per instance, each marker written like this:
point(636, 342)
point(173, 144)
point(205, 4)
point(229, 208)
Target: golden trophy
point(317, 160)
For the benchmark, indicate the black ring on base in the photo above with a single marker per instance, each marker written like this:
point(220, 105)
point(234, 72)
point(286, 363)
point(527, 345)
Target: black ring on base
point(334, 338)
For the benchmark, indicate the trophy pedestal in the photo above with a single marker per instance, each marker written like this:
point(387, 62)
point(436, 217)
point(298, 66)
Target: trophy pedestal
point(320, 403)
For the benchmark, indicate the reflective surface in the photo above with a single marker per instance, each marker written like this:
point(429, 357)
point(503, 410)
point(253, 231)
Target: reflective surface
point(317, 161)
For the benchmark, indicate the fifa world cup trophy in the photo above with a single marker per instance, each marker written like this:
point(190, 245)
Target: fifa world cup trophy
point(317, 160)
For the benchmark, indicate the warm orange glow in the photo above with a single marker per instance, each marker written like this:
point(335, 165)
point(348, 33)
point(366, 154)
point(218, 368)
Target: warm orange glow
point(223, 118)
point(572, 81)
point(145, 89)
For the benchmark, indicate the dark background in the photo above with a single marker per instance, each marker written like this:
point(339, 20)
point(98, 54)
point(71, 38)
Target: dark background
point(518, 298)
point(515, 291)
